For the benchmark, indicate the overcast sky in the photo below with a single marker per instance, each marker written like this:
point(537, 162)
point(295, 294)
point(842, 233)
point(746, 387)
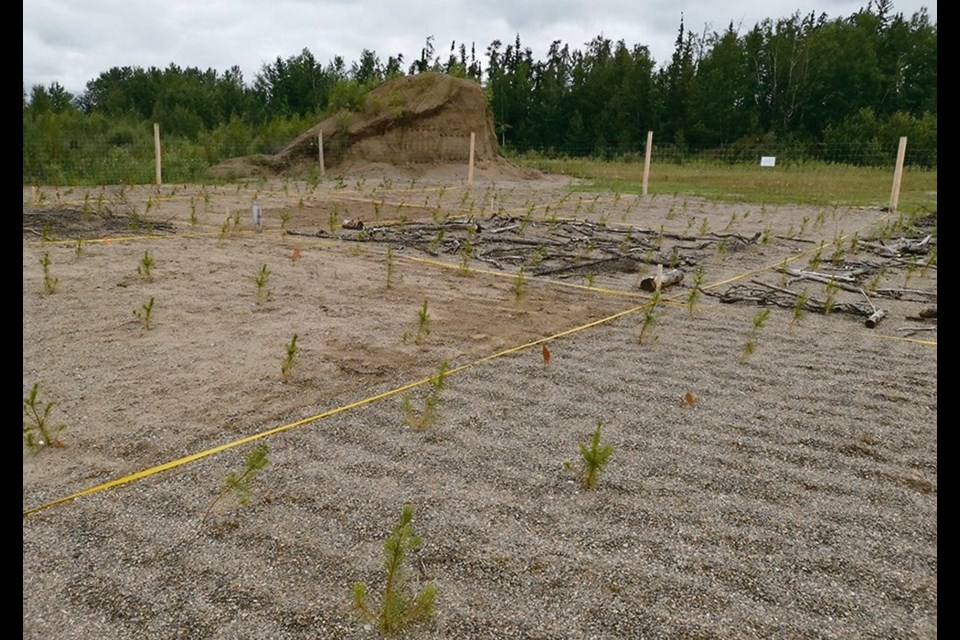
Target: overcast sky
point(74, 41)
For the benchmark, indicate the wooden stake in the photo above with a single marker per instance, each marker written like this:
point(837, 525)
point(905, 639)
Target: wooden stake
point(156, 152)
point(646, 161)
point(898, 174)
point(473, 143)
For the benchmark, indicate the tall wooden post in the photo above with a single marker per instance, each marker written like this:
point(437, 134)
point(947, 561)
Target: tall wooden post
point(156, 153)
point(646, 161)
point(320, 147)
point(898, 174)
point(473, 145)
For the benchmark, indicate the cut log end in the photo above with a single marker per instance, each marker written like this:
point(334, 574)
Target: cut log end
point(667, 279)
point(875, 318)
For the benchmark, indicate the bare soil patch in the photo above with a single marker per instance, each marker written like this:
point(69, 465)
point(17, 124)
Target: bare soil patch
point(792, 493)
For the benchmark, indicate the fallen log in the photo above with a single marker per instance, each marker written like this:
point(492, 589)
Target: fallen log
point(875, 318)
point(666, 279)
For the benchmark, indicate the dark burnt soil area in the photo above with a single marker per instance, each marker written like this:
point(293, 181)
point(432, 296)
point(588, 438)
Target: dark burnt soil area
point(59, 223)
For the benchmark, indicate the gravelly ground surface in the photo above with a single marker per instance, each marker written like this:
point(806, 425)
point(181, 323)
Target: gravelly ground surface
point(795, 497)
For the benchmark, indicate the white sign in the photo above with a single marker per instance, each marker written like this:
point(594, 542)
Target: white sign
point(255, 213)
point(768, 161)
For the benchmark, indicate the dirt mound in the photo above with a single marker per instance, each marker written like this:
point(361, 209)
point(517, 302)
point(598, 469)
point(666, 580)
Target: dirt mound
point(418, 124)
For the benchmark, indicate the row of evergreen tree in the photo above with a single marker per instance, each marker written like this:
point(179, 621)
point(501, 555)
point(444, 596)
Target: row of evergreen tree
point(844, 83)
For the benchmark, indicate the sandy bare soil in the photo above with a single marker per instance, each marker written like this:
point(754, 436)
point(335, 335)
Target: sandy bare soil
point(787, 493)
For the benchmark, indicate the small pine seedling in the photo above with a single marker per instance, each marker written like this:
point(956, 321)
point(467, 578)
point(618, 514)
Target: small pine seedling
point(145, 313)
point(263, 292)
point(649, 316)
point(290, 359)
point(431, 403)
point(800, 307)
point(37, 430)
point(391, 270)
point(224, 230)
point(766, 235)
point(751, 345)
point(695, 291)
point(830, 293)
point(817, 257)
point(519, 287)
point(423, 323)
point(399, 605)
point(145, 268)
point(238, 484)
point(595, 457)
point(49, 282)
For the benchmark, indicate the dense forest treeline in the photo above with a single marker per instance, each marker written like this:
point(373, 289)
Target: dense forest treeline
point(847, 88)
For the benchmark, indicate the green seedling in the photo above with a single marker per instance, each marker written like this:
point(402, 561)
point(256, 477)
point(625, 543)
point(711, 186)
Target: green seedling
point(817, 257)
point(731, 221)
point(399, 605)
point(876, 278)
point(145, 313)
point(594, 456)
point(674, 258)
point(391, 270)
point(694, 294)
point(837, 254)
point(552, 223)
point(145, 268)
point(751, 344)
point(285, 216)
point(85, 211)
point(767, 234)
point(263, 292)
point(649, 315)
point(821, 218)
point(78, 248)
point(931, 261)
point(911, 269)
point(437, 239)
point(800, 307)
point(518, 288)
point(238, 483)
point(423, 323)
point(289, 359)
point(466, 252)
point(224, 230)
point(538, 255)
point(431, 402)
point(38, 432)
point(49, 282)
point(830, 296)
point(705, 226)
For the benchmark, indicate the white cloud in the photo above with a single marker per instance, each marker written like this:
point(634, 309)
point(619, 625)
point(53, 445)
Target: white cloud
point(72, 43)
